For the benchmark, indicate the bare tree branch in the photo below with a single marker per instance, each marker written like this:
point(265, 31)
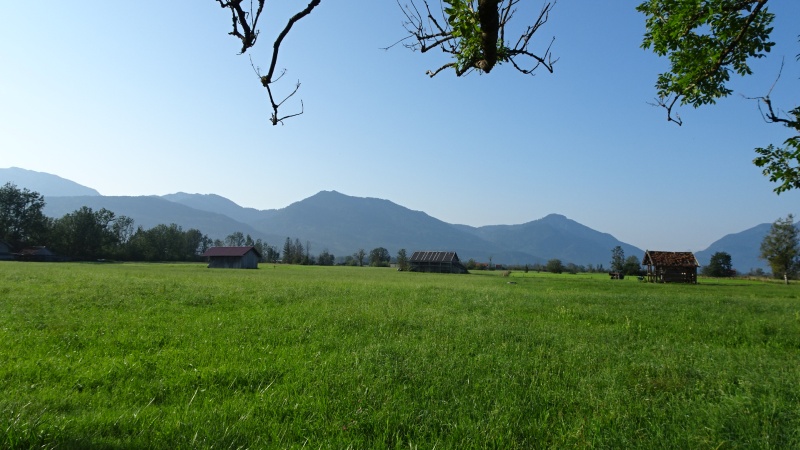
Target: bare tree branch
point(240, 19)
point(245, 28)
point(433, 73)
point(521, 47)
point(276, 46)
point(474, 35)
point(668, 104)
point(770, 116)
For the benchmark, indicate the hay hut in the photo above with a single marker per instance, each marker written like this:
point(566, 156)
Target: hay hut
point(670, 267)
point(436, 262)
point(5, 251)
point(38, 254)
point(232, 257)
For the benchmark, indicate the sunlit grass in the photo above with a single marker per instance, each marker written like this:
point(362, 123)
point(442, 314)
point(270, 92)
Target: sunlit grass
point(180, 356)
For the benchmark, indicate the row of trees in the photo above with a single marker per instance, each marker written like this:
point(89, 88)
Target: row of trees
point(86, 234)
point(780, 248)
point(377, 257)
point(620, 264)
point(295, 253)
point(553, 265)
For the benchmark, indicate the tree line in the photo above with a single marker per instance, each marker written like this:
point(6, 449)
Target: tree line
point(88, 235)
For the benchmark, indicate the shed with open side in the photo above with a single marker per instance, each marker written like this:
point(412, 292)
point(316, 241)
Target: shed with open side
point(670, 267)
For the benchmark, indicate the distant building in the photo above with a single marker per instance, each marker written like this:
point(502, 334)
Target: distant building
point(5, 251)
point(232, 257)
point(670, 267)
point(38, 254)
point(436, 262)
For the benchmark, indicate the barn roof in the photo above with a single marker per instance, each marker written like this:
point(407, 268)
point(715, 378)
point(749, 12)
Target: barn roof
point(35, 251)
point(671, 259)
point(230, 251)
point(434, 257)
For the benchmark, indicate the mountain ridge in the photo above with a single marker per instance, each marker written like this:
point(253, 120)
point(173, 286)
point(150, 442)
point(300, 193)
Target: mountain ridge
point(744, 248)
point(342, 224)
point(47, 184)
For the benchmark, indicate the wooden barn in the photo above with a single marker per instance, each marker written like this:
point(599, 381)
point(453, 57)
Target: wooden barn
point(232, 257)
point(38, 254)
point(436, 262)
point(5, 252)
point(670, 267)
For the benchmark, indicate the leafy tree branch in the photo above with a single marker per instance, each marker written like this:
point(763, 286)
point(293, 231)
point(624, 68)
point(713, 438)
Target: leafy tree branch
point(473, 32)
point(704, 40)
point(780, 164)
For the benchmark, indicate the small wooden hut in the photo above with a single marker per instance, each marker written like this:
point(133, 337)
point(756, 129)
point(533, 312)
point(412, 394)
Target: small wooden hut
point(670, 267)
point(436, 262)
point(38, 254)
point(5, 251)
point(232, 257)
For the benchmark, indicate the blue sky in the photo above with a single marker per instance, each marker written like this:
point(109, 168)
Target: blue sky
point(146, 97)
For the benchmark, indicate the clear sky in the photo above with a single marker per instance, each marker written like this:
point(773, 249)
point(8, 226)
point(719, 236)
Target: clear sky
point(150, 97)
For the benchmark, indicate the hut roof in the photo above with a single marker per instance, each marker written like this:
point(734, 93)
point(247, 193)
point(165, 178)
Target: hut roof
point(671, 259)
point(434, 257)
point(230, 251)
point(36, 251)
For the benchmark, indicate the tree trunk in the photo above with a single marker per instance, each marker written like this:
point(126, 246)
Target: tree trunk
point(489, 17)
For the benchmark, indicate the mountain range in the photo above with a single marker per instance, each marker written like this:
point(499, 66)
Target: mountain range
point(343, 224)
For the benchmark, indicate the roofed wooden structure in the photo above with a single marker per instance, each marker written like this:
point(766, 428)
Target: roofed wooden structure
point(5, 251)
point(38, 254)
point(232, 257)
point(670, 267)
point(436, 262)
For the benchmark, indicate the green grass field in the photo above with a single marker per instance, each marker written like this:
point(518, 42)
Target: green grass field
point(179, 356)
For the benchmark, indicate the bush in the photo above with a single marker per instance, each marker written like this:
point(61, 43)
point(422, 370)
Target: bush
point(554, 266)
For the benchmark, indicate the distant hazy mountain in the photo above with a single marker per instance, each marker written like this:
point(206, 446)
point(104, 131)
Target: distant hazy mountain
point(221, 205)
point(343, 224)
point(44, 183)
point(149, 211)
point(556, 236)
point(743, 247)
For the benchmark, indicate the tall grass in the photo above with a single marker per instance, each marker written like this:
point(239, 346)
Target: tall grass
point(180, 356)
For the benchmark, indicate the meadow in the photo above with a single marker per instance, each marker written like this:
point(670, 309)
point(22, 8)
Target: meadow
point(98, 356)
